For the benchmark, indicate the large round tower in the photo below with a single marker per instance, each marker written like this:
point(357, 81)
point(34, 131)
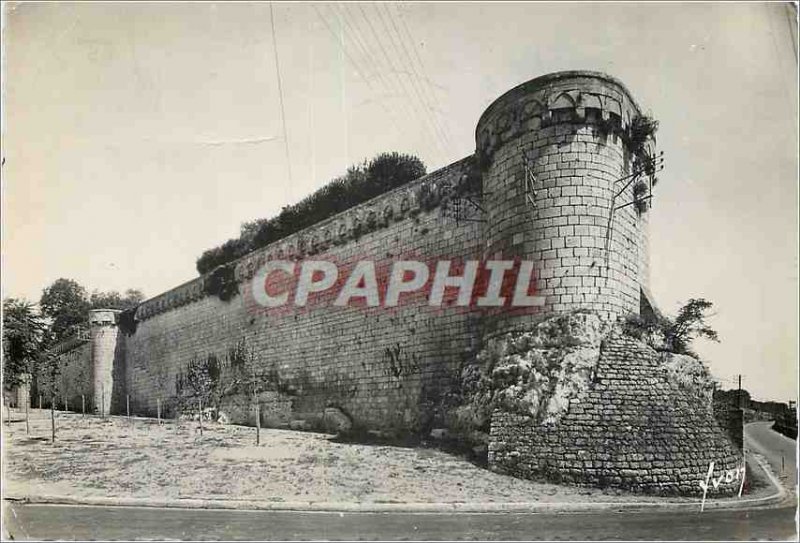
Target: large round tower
point(555, 153)
point(567, 165)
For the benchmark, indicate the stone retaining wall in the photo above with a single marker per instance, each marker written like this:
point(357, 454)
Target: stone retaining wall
point(633, 429)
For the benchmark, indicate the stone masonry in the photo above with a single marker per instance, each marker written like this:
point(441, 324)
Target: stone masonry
point(549, 157)
point(568, 128)
point(633, 428)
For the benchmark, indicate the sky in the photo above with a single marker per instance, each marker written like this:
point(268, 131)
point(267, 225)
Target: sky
point(137, 135)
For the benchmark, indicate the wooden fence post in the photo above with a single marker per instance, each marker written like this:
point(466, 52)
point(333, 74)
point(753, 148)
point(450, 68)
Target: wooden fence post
point(53, 420)
point(258, 421)
point(158, 410)
point(200, 407)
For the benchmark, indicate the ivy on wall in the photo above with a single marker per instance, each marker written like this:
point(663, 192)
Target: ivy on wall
point(222, 283)
point(641, 129)
point(127, 322)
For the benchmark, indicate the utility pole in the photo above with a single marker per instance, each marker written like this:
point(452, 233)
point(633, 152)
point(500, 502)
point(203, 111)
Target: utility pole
point(739, 393)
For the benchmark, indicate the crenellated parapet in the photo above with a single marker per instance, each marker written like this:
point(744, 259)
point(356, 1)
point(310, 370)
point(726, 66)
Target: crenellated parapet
point(580, 97)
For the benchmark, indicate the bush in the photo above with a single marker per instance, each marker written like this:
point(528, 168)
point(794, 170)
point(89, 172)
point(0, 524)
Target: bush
point(642, 128)
point(222, 283)
point(673, 335)
point(362, 182)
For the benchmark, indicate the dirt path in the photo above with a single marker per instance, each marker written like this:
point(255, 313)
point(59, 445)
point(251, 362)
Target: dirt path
point(120, 458)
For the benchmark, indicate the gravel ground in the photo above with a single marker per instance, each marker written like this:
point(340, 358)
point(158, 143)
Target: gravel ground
point(115, 457)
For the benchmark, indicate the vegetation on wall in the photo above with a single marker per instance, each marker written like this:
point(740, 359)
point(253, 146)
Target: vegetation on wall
point(640, 190)
point(222, 283)
point(361, 183)
point(214, 380)
point(641, 129)
point(127, 321)
point(676, 334)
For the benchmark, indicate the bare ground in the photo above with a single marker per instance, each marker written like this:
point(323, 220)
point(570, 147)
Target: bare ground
point(115, 457)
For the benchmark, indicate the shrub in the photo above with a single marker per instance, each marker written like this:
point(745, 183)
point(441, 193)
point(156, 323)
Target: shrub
point(673, 335)
point(222, 283)
point(362, 182)
point(642, 128)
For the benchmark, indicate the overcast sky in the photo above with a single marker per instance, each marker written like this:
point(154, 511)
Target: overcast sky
point(138, 135)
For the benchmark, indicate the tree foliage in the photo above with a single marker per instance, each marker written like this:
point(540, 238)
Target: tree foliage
point(23, 334)
point(674, 334)
point(66, 304)
point(361, 183)
point(114, 300)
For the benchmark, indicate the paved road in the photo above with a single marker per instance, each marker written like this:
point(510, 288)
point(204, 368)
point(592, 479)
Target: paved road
point(115, 523)
point(779, 450)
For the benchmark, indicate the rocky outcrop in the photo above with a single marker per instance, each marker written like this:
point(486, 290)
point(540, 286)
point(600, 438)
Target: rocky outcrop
point(534, 373)
point(643, 423)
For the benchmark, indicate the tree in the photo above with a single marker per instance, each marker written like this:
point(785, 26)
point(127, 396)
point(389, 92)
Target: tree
point(390, 170)
point(674, 334)
point(114, 300)
point(66, 304)
point(23, 334)
point(689, 325)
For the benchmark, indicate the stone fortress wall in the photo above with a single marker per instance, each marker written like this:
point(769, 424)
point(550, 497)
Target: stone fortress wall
point(550, 154)
point(383, 368)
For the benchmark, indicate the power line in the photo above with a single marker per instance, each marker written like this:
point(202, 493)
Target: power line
point(363, 50)
point(791, 9)
point(357, 39)
point(391, 65)
point(343, 81)
point(377, 69)
point(413, 77)
point(355, 64)
point(280, 95)
point(310, 111)
point(425, 77)
point(419, 79)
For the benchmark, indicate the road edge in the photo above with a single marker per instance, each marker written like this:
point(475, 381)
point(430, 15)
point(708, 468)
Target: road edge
point(775, 499)
point(344, 507)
